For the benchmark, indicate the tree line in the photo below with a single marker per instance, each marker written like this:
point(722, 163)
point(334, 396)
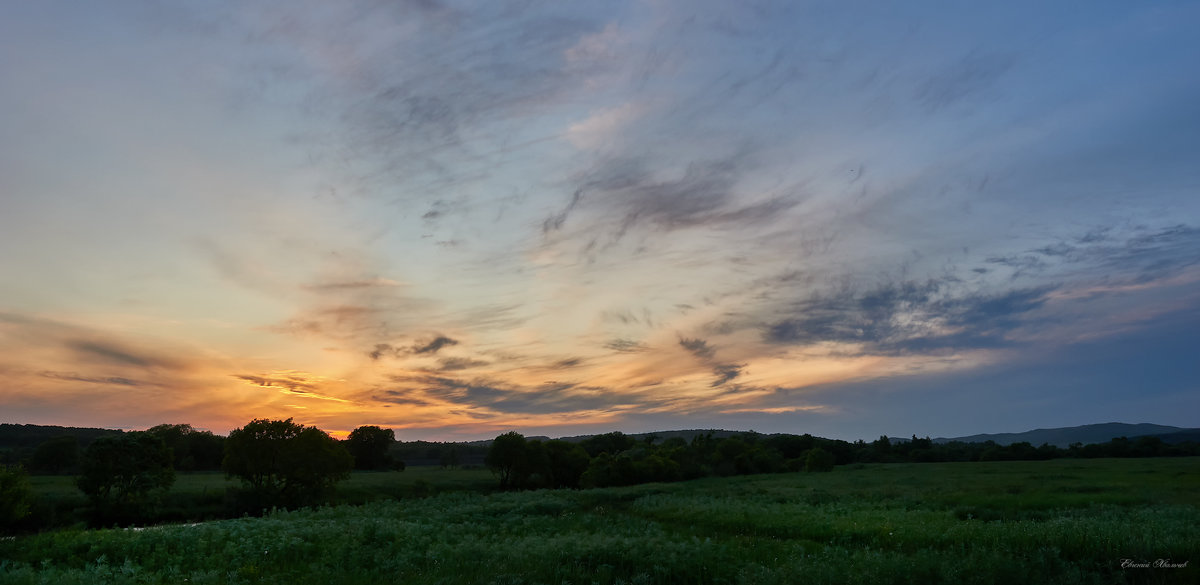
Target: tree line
point(285, 464)
point(280, 464)
point(616, 459)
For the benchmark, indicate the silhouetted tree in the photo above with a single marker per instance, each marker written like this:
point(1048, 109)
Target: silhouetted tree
point(534, 470)
point(369, 445)
point(56, 455)
point(284, 463)
point(119, 472)
point(611, 443)
point(567, 462)
point(449, 457)
point(883, 448)
point(192, 449)
point(506, 457)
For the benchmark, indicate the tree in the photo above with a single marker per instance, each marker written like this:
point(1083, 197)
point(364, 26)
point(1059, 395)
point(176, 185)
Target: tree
point(818, 459)
point(507, 458)
point(15, 495)
point(193, 449)
point(369, 446)
point(611, 443)
point(566, 463)
point(118, 472)
point(449, 457)
point(56, 455)
point(284, 463)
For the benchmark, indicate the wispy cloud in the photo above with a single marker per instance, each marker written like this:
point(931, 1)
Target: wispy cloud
point(73, 377)
point(525, 214)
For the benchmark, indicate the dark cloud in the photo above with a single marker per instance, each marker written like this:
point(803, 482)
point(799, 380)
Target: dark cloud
point(73, 377)
point(705, 194)
point(116, 354)
point(726, 372)
point(626, 346)
point(550, 397)
point(292, 383)
point(705, 353)
point(384, 349)
point(1138, 255)
point(459, 363)
point(908, 317)
point(433, 346)
point(400, 397)
point(698, 347)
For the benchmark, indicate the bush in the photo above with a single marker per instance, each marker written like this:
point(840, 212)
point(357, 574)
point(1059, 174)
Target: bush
point(15, 495)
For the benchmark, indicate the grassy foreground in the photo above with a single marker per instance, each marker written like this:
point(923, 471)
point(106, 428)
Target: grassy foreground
point(1060, 521)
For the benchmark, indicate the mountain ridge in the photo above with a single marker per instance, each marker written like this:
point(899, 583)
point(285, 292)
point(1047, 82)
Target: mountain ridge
point(1086, 434)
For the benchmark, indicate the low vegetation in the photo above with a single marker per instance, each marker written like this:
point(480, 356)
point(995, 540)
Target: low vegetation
point(1066, 521)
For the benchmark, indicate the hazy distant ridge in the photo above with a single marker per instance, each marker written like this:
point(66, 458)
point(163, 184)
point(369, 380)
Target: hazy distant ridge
point(1063, 437)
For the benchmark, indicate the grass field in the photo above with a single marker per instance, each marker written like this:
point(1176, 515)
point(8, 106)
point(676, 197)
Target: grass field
point(204, 495)
point(1060, 521)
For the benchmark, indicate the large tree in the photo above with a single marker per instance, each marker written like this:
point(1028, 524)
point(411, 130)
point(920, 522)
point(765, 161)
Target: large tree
point(285, 463)
point(118, 472)
point(508, 458)
point(194, 450)
point(56, 455)
point(369, 445)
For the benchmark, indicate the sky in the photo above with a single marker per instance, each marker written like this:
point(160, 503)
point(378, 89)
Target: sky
point(457, 219)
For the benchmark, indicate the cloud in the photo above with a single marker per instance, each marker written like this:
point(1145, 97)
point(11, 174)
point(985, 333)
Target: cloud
point(291, 383)
point(697, 347)
point(400, 397)
point(117, 354)
point(354, 284)
point(623, 193)
point(908, 317)
point(73, 377)
point(626, 346)
point(297, 384)
point(726, 372)
point(488, 397)
point(420, 348)
point(1141, 254)
point(384, 349)
point(434, 345)
point(415, 94)
point(967, 78)
point(459, 363)
point(602, 126)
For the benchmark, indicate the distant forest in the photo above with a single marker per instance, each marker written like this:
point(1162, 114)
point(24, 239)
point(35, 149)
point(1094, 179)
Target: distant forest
point(600, 460)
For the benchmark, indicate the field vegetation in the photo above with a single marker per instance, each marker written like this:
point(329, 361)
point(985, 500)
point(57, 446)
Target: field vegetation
point(1057, 521)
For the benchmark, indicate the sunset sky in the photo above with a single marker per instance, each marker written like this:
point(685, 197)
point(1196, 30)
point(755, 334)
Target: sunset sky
point(458, 219)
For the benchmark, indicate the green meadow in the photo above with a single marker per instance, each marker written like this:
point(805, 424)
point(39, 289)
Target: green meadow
point(1059, 521)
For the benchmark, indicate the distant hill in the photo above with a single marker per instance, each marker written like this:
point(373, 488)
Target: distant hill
point(686, 435)
point(1086, 434)
point(14, 436)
